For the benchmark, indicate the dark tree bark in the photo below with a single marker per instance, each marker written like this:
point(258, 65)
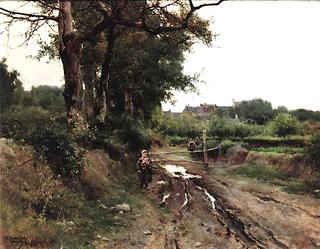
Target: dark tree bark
point(128, 101)
point(103, 84)
point(69, 49)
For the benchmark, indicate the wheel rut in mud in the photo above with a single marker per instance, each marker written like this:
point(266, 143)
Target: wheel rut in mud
point(191, 188)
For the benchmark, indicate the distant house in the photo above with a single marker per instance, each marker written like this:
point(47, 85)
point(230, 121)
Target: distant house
point(202, 110)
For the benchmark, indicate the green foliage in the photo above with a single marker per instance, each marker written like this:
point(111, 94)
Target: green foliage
point(242, 130)
point(280, 149)
point(284, 124)
point(12, 93)
point(225, 145)
point(52, 142)
point(281, 109)
point(141, 66)
point(176, 140)
point(256, 110)
point(119, 133)
point(226, 127)
point(10, 86)
point(273, 174)
point(134, 134)
point(183, 126)
point(304, 115)
point(262, 172)
point(311, 185)
point(220, 127)
point(48, 97)
point(313, 151)
point(19, 123)
point(55, 145)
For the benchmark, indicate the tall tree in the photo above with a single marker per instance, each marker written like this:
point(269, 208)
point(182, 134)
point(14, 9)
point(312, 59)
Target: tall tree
point(154, 17)
point(256, 110)
point(10, 86)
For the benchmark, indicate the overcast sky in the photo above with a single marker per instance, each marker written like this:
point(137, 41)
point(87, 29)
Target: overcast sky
point(268, 50)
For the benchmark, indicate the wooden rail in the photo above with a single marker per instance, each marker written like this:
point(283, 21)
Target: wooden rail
point(181, 151)
point(177, 161)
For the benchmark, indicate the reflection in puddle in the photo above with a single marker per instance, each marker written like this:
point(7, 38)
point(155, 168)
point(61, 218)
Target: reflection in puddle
point(185, 201)
point(179, 171)
point(165, 197)
point(211, 198)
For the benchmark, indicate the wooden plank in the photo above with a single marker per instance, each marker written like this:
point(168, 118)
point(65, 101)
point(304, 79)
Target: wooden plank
point(181, 151)
point(181, 161)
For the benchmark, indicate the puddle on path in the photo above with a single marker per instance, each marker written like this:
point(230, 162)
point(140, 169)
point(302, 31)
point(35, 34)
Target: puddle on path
point(180, 171)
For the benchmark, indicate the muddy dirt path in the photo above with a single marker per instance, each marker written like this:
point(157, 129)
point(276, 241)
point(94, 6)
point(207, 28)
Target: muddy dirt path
point(212, 212)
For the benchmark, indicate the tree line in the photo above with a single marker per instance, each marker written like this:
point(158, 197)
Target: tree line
point(126, 54)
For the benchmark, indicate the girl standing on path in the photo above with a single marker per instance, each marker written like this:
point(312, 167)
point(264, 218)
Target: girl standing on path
point(144, 169)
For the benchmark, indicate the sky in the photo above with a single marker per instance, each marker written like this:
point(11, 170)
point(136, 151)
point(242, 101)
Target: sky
point(268, 50)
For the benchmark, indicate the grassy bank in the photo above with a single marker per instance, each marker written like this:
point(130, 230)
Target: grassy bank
point(273, 174)
point(41, 210)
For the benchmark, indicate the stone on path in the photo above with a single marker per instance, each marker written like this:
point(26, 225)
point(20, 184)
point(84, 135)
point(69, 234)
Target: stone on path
point(198, 244)
point(147, 232)
point(124, 207)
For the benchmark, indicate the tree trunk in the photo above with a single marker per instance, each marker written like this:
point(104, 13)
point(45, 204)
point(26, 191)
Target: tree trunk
point(89, 103)
point(128, 102)
point(103, 84)
point(70, 56)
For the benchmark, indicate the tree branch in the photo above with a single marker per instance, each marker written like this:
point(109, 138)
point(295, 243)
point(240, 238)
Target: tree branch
point(164, 29)
point(25, 16)
point(43, 3)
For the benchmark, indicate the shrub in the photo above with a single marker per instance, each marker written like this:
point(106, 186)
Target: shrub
point(176, 140)
point(118, 133)
point(18, 123)
point(284, 124)
point(224, 146)
point(219, 127)
point(55, 145)
point(313, 151)
point(256, 110)
point(311, 185)
point(242, 130)
point(132, 132)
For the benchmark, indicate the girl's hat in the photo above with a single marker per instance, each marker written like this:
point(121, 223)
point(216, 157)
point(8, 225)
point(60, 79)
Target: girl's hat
point(143, 151)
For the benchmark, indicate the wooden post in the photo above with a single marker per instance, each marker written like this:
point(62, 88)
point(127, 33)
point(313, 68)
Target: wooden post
point(205, 153)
